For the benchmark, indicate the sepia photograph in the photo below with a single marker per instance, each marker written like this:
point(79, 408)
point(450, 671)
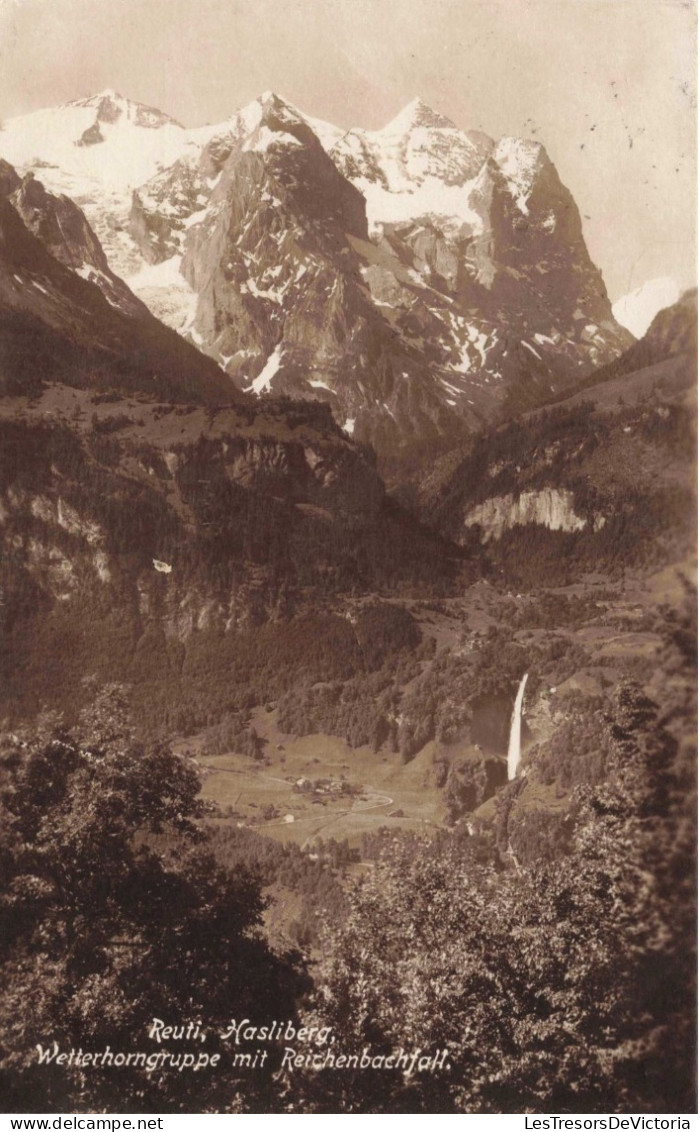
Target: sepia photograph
point(348, 558)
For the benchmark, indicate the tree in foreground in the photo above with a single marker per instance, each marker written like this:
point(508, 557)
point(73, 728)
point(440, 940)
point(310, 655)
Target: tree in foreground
point(113, 912)
point(564, 986)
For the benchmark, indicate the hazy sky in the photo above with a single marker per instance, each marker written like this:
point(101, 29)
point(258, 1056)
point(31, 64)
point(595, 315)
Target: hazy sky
point(608, 85)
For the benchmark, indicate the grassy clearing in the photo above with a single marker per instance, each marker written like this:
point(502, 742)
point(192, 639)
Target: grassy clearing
point(380, 790)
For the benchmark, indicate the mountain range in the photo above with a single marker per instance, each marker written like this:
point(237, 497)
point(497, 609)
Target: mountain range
point(189, 488)
point(422, 280)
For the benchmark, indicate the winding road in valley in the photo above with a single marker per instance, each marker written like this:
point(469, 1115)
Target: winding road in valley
point(374, 801)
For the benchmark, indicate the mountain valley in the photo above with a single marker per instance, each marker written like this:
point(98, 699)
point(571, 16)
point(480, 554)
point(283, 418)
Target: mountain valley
point(421, 280)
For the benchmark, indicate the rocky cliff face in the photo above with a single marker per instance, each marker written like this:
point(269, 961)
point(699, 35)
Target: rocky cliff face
point(421, 280)
point(207, 493)
point(551, 508)
point(279, 262)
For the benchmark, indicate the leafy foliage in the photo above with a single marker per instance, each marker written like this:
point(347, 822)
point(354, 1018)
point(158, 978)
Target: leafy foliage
point(564, 985)
point(102, 928)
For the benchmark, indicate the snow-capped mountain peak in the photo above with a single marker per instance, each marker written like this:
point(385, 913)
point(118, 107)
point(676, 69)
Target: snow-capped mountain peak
point(419, 164)
point(108, 95)
point(96, 98)
point(273, 106)
point(97, 150)
point(269, 110)
point(273, 103)
point(280, 122)
point(420, 278)
point(102, 138)
point(112, 106)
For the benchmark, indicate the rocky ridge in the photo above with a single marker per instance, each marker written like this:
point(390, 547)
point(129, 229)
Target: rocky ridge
point(57, 326)
point(609, 462)
point(64, 231)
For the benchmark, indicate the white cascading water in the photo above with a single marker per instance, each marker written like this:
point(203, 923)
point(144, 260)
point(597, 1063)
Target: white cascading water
point(515, 724)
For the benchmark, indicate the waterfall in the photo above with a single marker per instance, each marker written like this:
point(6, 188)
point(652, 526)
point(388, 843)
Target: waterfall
point(514, 741)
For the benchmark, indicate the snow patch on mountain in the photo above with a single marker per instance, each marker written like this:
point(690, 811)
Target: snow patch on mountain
point(264, 138)
point(419, 164)
point(328, 134)
point(263, 382)
point(518, 160)
point(430, 199)
point(636, 310)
